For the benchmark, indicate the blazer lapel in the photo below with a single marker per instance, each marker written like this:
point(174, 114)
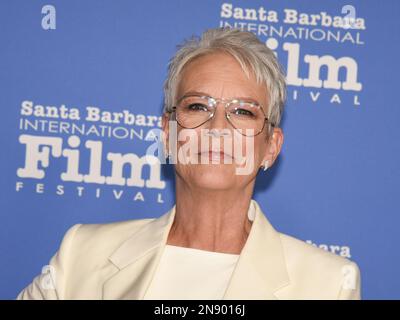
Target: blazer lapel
point(261, 267)
point(137, 259)
point(260, 271)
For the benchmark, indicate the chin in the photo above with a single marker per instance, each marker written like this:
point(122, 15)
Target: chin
point(214, 176)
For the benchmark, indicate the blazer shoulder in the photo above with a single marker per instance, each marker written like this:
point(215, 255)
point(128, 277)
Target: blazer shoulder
point(105, 237)
point(296, 249)
point(118, 229)
point(83, 251)
point(320, 270)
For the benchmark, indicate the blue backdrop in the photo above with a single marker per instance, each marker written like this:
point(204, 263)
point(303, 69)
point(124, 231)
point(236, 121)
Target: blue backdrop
point(336, 183)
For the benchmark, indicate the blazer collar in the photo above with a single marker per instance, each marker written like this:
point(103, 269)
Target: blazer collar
point(259, 272)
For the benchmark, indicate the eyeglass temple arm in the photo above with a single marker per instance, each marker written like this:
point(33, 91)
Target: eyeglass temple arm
point(271, 123)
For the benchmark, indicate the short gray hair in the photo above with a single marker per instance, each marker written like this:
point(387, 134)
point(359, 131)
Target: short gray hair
point(247, 49)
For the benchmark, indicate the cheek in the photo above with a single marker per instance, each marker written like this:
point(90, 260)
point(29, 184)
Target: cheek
point(188, 145)
point(252, 148)
point(261, 150)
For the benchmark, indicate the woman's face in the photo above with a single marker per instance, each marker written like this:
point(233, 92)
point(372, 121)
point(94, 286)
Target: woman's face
point(219, 75)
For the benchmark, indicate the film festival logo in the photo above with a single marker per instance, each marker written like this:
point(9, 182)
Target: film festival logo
point(50, 134)
point(312, 72)
point(66, 139)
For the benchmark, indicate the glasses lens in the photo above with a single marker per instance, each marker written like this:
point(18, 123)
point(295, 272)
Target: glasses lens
point(193, 111)
point(244, 115)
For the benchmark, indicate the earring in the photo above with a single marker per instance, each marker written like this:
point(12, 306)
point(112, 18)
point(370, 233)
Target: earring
point(166, 154)
point(266, 165)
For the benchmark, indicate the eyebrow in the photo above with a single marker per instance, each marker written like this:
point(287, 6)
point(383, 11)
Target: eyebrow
point(199, 93)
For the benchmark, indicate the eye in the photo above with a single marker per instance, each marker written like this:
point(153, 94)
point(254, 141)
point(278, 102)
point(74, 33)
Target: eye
point(243, 112)
point(196, 107)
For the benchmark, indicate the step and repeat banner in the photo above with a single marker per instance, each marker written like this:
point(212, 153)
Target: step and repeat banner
point(81, 89)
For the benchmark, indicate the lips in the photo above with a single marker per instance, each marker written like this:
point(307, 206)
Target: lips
point(215, 155)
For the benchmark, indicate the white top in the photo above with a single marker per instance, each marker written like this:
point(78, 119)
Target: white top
point(187, 273)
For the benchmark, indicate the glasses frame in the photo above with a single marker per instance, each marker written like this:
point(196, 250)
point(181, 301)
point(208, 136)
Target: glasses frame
point(226, 103)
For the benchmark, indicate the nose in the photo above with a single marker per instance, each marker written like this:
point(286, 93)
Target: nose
point(217, 133)
point(219, 121)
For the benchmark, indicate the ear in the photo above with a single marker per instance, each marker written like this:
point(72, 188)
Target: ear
point(274, 145)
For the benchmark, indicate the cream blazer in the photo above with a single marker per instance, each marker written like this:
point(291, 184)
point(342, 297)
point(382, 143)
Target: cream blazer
point(118, 261)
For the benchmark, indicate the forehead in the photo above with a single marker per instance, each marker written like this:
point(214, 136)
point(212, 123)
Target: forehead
point(221, 76)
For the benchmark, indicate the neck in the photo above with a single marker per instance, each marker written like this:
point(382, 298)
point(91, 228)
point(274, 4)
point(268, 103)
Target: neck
point(212, 220)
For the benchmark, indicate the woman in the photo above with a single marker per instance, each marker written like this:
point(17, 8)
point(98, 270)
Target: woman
point(215, 243)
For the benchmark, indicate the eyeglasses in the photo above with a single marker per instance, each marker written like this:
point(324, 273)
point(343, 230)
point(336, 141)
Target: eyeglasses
point(192, 111)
